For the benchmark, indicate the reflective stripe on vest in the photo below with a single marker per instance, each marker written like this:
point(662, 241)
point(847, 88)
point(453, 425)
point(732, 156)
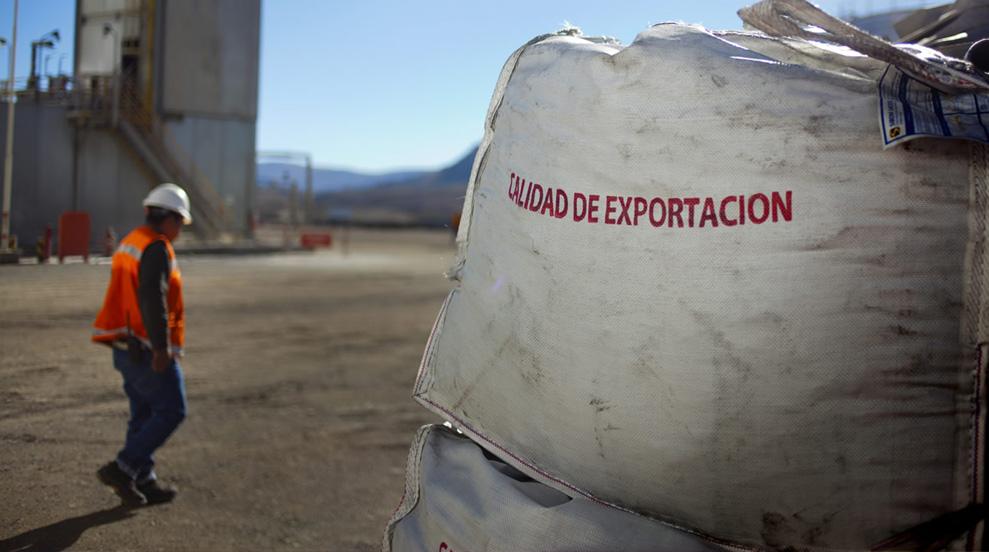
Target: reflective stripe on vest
point(128, 249)
point(120, 316)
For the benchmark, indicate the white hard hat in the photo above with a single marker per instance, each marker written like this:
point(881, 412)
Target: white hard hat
point(171, 197)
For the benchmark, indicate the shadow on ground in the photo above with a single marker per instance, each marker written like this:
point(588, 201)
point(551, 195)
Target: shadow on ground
point(63, 534)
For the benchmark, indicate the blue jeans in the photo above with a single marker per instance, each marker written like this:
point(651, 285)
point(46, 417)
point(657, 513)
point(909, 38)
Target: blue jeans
point(157, 407)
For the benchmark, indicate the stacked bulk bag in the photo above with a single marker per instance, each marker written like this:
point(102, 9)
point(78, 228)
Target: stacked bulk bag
point(692, 284)
point(458, 499)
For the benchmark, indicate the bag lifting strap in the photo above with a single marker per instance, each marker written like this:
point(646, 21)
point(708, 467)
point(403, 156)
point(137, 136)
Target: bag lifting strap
point(801, 19)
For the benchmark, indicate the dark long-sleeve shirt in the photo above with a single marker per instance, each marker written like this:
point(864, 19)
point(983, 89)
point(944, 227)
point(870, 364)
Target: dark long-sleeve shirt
point(152, 293)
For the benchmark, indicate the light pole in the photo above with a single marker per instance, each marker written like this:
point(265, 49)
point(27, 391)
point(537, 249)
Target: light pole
point(47, 40)
point(8, 158)
point(3, 44)
point(108, 29)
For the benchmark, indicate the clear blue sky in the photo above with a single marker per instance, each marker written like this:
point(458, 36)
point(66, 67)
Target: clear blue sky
point(377, 85)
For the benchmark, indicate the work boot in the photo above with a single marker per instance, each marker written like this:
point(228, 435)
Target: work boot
point(112, 476)
point(157, 493)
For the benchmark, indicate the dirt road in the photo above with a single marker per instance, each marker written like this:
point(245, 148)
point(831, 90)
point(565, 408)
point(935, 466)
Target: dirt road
point(299, 369)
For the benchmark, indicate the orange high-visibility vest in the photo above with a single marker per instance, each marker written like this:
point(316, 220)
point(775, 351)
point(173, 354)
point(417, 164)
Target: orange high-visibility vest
point(121, 313)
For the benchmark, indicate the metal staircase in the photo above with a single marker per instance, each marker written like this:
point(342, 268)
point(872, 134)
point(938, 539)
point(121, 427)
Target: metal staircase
point(101, 105)
point(141, 129)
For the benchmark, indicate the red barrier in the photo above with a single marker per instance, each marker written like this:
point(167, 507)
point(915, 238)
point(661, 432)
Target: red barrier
point(73, 235)
point(312, 241)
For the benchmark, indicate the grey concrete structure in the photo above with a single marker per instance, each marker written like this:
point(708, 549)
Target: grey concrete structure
point(222, 37)
point(222, 151)
point(163, 90)
point(111, 180)
point(208, 94)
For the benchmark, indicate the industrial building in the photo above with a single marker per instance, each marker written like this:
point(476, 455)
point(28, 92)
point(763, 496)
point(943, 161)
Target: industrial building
point(162, 90)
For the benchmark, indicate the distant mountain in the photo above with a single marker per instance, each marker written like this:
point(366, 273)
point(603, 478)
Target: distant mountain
point(456, 174)
point(327, 180)
point(428, 199)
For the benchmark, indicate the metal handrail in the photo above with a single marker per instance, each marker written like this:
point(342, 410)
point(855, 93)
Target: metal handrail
point(141, 117)
point(132, 107)
point(96, 100)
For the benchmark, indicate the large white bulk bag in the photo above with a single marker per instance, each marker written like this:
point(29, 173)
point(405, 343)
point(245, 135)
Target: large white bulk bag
point(457, 499)
point(692, 284)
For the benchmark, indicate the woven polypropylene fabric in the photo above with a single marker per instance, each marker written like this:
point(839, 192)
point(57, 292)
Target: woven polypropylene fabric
point(757, 334)
point(460, 500)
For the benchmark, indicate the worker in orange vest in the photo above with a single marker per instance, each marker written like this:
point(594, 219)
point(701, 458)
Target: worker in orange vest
point(142, 320)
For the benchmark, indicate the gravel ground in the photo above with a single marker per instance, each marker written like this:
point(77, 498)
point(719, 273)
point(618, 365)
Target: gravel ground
point(299, 369)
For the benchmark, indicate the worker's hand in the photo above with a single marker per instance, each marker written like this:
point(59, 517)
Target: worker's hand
point(160, 361)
